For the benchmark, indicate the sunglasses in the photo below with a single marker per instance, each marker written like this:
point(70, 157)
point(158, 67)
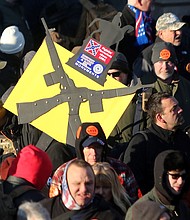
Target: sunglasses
point(115, 74)
point(178, 175)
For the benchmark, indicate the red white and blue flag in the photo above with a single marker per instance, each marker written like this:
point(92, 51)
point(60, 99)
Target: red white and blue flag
point(92, 47)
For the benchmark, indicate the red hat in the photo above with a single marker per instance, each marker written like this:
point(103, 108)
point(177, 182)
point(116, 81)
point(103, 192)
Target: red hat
point(33, 165)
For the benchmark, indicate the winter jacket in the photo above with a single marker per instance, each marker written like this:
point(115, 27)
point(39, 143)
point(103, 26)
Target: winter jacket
point(161, 192)
point(33, 194)
point(141, 153)
point(98, 209)
point(153, 196)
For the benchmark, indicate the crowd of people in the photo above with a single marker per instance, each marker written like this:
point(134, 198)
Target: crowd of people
point(142, 170)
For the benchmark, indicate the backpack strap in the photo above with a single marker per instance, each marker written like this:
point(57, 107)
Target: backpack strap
point(88, 5)
point(140, 110)
point(138, 113)
point(18, 191)
point(44, 141)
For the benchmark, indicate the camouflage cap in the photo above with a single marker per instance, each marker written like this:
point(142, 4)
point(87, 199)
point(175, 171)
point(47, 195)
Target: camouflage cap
point(168, 21)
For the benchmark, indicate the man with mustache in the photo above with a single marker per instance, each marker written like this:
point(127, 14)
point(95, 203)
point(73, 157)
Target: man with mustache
point(164, 133)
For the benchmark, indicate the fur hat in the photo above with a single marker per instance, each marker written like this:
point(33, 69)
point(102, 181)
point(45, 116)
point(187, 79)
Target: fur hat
point(12, 40)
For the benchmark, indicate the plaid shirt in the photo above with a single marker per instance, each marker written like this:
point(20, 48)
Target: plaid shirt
point(125, 175)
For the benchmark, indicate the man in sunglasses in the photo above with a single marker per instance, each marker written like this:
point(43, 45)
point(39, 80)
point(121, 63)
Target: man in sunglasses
point(120, 71)
point(171, 170)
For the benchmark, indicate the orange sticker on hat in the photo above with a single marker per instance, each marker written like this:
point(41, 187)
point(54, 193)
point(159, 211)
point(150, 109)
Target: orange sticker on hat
point(92, 130)
point(165, 54)
point(188, 67)
point(78, 132)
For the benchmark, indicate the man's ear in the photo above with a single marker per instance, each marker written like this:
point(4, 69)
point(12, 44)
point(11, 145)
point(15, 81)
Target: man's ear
point(159, 118)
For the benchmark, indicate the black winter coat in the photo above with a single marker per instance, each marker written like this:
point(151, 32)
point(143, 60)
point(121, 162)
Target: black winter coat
point(140, 154)
point(98, 209)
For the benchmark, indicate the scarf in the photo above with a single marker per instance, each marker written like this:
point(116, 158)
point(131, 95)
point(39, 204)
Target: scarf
point(143, 30)
point(67, 199)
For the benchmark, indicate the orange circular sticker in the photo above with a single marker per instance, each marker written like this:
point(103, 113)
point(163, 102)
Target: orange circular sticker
point(92, 130)
point(78, 132)
point(165, 54)
point(188, 67)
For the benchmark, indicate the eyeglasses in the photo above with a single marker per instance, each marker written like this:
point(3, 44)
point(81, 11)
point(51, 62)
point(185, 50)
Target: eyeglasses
point(178, 175)
point(115, 74)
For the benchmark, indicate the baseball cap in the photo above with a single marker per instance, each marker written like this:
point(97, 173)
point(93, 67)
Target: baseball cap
point(169, 21)
point(163, 51)
point(90, 140)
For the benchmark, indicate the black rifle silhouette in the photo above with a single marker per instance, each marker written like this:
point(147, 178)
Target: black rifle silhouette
point(74, 96)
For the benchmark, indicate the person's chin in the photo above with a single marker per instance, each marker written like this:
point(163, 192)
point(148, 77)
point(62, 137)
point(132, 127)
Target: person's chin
point(177, 43)
point(177, 190)
point(83, 200)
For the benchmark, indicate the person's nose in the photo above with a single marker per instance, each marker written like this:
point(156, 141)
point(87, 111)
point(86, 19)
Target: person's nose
point(93, 151)
point(99, 190)
point(178, 32)
point(180, 180)
point(179, 110)
point(83, 188)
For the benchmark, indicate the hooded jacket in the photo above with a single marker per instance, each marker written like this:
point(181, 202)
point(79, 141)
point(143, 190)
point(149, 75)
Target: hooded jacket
point(32, 166)
point(161, 192)
point(86, 130)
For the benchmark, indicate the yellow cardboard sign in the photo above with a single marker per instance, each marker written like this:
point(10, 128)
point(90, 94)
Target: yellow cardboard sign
point(32, 87)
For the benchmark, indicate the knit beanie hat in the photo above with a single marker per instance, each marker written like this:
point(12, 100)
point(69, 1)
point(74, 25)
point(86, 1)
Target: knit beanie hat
point(147, 210)
point(12, 40)
point(163, 51)
point(120, 63)
point(87, 133)
point(33, 165)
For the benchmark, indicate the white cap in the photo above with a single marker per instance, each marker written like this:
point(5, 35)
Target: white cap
point(12, 40)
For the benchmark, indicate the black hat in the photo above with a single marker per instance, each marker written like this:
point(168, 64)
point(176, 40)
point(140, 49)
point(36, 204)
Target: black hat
point(120, 63)
point(163, 51)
